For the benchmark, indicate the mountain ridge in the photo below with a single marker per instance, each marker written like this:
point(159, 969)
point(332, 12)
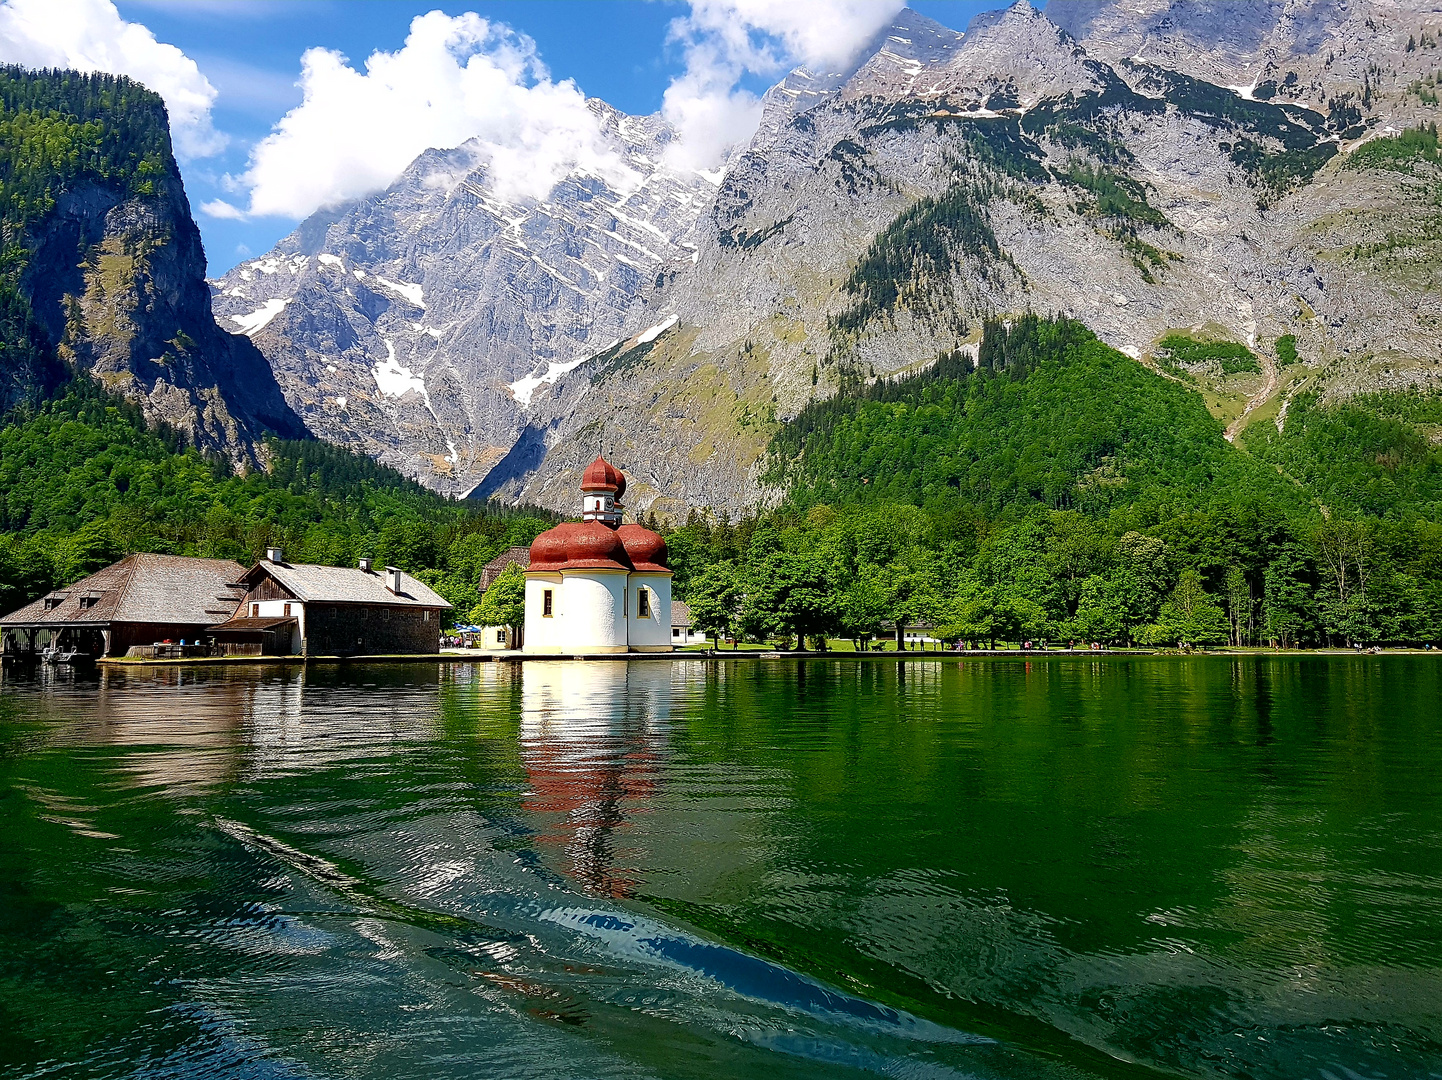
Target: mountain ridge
point(1024, 172)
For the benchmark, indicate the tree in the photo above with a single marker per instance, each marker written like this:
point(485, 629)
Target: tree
point(1139, 580)
point(790, 594)
point(714, 599)
point(1100, 613)
point(1239, 605)
point(504, 603)
point(1287, 599)
point(1190, 616)
point(971, 616)
point(865, 604)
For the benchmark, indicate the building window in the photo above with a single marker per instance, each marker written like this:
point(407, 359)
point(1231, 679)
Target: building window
point(425, 615)
point(643, 603)
point(675, 631)
point(88, 601)
point(546, 604)
point(287, 609)
point(52, 602)
point(500, 637)
point(255, 611)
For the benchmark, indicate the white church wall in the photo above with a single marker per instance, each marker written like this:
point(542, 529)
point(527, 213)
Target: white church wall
point(544, 633)
point(652, 633)
point(595, 606)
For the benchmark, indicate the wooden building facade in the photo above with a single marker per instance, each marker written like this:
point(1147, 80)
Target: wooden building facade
point(312, 610)
point(139, 601)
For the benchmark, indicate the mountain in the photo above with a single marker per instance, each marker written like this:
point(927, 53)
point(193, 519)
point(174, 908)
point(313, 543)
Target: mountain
point(1248, 241)
point(417, 324)
point(104, 272)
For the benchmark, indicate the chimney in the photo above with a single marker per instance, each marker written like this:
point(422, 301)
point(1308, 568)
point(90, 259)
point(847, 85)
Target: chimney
point(393, 580)
point(366, 564)
point(275, 555)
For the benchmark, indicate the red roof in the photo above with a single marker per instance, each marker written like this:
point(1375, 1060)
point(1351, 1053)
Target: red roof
point(579, 545)
point(646, 549)
point(594, 545)
point(601, 475)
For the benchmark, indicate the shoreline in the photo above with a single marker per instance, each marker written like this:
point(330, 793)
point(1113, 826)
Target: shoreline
point(506, 657)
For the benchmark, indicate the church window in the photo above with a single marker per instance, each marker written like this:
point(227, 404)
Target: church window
point(546, 604)
point(643, 603)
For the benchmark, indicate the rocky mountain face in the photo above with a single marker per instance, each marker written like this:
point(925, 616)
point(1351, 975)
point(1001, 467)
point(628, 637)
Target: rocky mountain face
point(1065, 163)
point(118, 285)
point(419, 324)
point(1316, 52)
point(104, 273)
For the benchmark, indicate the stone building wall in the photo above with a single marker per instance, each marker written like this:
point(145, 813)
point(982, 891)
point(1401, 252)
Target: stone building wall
point(362, 629)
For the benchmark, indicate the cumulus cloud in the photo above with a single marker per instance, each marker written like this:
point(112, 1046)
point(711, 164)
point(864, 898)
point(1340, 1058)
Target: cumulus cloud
point(90, 35)
point(724, 40)
point(219, 208)
point(455, 79)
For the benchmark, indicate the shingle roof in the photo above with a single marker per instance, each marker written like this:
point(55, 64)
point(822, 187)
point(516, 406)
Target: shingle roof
point(519, 556)
point(680, 613)
point(142, 588)
point(252, 625)
point(310, 583)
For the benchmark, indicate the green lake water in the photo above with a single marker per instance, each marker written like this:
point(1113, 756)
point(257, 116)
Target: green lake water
point(990, 868)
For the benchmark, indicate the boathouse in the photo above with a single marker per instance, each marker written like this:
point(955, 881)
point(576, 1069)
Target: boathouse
point(597, 585)
point(312, 610)
point(141, 600)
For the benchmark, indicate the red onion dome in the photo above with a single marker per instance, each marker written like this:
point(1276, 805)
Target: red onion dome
point(591, 545)
point(646, 549)
point(548, 551)
point(601, 475)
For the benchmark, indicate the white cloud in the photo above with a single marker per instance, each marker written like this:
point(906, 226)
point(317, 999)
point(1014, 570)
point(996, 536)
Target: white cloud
point(90, 35)
point(219, 208)
point(455, 80)
point(727, 39)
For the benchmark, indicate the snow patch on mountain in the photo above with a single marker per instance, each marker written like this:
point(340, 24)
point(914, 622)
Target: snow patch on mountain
point(652, 333)
point(394, 379)
point(523, 389)
point(259, 318)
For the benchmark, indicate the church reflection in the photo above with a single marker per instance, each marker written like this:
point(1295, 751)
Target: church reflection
point(593, 740)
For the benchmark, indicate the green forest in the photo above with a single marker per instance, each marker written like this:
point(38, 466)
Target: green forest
point(1057, 490)
point(58, 128)
point(84, 481)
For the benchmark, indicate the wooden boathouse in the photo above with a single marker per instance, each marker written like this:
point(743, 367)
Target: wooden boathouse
point(140, 600)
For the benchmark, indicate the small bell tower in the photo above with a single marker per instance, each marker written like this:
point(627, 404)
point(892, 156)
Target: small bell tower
point(602, 485)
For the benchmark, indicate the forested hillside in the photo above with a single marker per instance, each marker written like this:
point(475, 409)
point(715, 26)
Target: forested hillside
point(1057, 489)
point(84, 481)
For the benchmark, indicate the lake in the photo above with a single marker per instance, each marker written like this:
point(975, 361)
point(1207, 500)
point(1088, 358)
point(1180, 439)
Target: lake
point(1048, 868)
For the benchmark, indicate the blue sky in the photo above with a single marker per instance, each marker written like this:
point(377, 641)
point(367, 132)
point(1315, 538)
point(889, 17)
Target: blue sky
point(250, 52)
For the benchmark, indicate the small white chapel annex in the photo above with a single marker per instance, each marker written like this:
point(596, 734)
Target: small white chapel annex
point(596, 585)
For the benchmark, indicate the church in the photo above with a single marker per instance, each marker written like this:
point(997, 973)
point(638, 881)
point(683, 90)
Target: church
point(596, 585)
